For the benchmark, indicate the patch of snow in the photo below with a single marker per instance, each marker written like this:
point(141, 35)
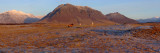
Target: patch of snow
point(144, 27)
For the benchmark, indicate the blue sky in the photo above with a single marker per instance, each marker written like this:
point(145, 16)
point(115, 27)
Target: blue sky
point(135, 9)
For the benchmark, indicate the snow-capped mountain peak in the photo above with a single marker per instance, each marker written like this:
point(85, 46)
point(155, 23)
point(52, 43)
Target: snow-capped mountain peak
point(154, 19)
point(15, 16)
point(157, 17)
point(15, 12)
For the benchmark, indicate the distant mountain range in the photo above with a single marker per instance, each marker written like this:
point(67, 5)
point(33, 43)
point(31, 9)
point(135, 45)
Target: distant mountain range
point(14, 16)
point(154, 19)
point(71, 14)
point(119, 18)
point(67, 14)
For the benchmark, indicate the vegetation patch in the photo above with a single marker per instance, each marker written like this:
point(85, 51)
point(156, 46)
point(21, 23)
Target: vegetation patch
point(152, 34)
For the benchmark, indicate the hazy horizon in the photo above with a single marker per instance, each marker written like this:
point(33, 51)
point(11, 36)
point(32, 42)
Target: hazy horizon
point(136, 9)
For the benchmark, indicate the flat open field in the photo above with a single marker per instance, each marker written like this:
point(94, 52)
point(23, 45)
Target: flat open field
point(36, 38)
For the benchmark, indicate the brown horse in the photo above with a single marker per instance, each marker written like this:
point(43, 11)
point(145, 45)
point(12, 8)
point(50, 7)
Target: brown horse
point(71, 25)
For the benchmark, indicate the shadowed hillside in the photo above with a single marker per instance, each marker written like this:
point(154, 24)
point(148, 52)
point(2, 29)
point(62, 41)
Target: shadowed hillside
point(119, 18)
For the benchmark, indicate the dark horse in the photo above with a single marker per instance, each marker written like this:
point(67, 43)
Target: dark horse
point(71, 25)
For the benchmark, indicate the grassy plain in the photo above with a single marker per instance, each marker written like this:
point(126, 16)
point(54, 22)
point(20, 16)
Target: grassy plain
point(97, 39)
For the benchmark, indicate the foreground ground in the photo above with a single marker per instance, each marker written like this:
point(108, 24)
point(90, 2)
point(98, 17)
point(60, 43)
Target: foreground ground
point(37, 38)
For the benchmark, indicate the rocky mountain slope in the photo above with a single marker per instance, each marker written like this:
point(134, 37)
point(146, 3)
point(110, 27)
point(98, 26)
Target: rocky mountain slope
point(68, 13)
point(119, 18)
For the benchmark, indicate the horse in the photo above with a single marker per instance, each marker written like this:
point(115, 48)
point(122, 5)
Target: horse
point(71, 25)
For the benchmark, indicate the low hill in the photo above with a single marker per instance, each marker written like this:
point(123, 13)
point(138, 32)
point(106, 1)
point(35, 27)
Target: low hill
point(119, 18)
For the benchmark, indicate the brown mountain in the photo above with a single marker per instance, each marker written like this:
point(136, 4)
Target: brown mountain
point(119, 18)
point(68, 14)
